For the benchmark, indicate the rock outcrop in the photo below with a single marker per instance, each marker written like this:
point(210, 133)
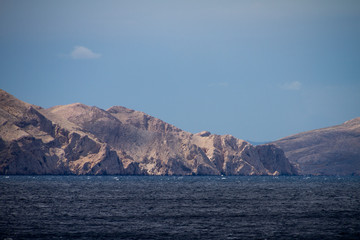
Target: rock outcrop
point(79, 139)
point(327, 151)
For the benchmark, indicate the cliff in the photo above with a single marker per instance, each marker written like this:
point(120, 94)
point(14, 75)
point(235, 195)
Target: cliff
point(79, 139)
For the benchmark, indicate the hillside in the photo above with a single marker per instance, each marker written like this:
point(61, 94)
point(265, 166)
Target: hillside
point(327, 151)
point(80, 139)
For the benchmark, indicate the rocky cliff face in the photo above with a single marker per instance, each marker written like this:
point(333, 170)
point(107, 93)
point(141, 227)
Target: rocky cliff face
point(30, 143)
point(327, 151)
point(79, 139)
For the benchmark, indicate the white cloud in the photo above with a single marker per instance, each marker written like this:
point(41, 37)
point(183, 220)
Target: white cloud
point(295, 85)
point(81, 52)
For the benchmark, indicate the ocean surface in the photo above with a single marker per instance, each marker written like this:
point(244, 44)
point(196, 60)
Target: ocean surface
point(144, 207)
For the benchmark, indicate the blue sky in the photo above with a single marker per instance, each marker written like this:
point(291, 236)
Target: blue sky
point(259, 70)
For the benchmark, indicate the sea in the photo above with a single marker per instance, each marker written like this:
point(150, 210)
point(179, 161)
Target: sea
point(179, 207)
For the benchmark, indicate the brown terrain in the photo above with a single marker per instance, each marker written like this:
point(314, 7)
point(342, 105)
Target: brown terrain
point(327, 151)
point(79, 139)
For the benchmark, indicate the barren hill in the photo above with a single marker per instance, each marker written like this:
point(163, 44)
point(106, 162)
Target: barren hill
point(327, 151)
point(79, 139)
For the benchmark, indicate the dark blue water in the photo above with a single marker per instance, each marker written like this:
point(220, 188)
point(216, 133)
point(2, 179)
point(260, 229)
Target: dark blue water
point(130, 207)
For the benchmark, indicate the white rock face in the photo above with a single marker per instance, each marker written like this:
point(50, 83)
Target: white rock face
point(79, 139)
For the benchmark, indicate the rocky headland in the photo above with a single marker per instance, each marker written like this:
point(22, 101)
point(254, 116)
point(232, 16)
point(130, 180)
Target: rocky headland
point(80, 139)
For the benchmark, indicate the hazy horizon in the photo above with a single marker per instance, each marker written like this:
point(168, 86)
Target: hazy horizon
point(258, 70)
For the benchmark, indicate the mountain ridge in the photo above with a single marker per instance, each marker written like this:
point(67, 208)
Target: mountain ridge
point(79, 139)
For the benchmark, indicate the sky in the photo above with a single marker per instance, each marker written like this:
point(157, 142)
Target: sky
point(258, 70)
